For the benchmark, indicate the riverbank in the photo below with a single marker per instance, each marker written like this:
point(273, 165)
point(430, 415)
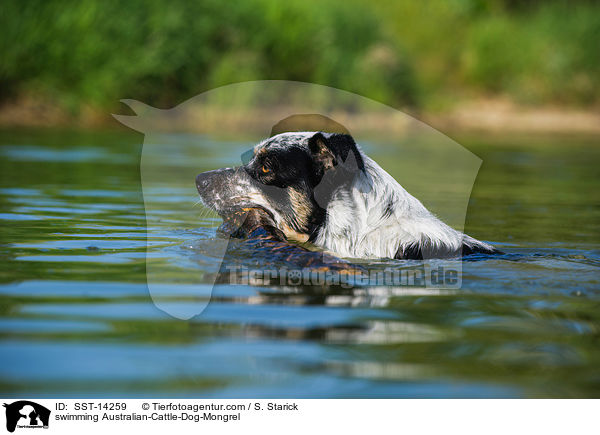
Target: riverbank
point(504, 116)
point(482, 116)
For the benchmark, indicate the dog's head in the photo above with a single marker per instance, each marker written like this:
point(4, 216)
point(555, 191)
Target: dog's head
point(292, 176)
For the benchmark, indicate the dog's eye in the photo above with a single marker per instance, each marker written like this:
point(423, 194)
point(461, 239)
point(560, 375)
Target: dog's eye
point(264, 169)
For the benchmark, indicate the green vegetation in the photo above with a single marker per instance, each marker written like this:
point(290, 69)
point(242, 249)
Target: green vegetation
point(405, 53)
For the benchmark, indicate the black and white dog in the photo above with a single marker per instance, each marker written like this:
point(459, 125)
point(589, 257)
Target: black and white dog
point(321, 188)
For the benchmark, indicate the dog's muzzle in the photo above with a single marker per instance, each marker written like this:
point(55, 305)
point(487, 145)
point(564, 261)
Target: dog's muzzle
point(215, 184)
point(225, 190)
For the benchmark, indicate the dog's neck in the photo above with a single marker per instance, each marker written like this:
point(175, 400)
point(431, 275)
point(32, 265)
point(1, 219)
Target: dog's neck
point(376, 217)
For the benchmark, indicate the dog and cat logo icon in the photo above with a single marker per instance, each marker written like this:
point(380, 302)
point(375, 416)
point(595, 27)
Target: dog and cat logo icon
point(26, 414)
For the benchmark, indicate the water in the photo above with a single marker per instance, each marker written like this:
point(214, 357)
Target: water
point(76, 318)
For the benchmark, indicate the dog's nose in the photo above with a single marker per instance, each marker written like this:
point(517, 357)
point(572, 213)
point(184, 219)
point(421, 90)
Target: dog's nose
point(202, 180)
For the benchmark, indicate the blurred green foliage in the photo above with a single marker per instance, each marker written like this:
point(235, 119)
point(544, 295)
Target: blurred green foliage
point(405, 53)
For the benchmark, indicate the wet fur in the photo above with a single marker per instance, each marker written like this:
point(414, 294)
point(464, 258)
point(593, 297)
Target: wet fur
point(257, 226)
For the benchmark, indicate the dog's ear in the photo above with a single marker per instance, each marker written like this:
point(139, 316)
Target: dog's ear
point(321, 152)
point(329, 149)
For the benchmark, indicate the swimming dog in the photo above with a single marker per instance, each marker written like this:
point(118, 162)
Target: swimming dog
point(322, 188)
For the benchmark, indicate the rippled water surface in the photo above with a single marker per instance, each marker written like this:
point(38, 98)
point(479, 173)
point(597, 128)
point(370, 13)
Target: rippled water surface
point(76, 317)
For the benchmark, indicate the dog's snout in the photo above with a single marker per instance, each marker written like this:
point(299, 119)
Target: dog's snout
point(202, 180)
point(218, 187)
